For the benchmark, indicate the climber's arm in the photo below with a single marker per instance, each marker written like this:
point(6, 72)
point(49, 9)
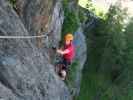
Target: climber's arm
point(62, 52)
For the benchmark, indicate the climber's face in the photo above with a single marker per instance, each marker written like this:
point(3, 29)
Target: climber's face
point(67, 42)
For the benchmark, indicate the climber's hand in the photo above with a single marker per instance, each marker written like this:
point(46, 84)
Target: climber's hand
point(59, 51)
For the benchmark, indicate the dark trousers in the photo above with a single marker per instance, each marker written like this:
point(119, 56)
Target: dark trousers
point(65, 63)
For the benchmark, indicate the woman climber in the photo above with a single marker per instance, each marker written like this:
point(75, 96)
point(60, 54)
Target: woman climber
point(68, 53)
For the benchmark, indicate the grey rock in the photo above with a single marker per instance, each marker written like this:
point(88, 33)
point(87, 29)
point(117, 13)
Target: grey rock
point(56, 23)
point(81, 49)
point(25, 72)
point(42, 14)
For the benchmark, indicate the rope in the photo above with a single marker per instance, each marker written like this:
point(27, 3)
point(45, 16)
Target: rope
point(22, 37)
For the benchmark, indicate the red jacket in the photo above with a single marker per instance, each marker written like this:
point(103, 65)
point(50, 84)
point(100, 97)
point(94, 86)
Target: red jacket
point(69, 56)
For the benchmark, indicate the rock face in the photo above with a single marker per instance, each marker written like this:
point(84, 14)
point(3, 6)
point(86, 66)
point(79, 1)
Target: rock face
point(43, 15)
point(25, 71)
point(81, 49)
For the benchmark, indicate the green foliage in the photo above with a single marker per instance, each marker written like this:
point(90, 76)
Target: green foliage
point(70, 22)
point(70, 19)
point(97, 10)
point(13, 3)
point(70, 81)
point(115, 43)
point(82, 16)
point(108, 72)
point(72, 73)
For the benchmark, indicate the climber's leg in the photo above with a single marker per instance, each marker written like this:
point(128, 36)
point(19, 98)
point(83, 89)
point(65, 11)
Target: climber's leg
point(63, 74)
point(62, 68)
point(65, 68)
point(59, 66)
